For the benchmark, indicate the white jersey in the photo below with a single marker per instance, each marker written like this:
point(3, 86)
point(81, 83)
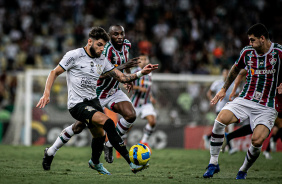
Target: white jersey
point(83, 71)
point(216, 87)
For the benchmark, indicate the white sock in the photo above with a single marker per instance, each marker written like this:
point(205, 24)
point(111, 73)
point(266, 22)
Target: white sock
point(251, 156)
point(148, 130)
point(216, 141)
point(63, 138)
point(123, 126)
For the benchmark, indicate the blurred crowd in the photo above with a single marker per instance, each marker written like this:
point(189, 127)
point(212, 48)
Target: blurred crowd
point(183, 36)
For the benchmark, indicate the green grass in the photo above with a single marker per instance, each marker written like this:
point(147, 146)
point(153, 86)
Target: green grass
point(19, 164)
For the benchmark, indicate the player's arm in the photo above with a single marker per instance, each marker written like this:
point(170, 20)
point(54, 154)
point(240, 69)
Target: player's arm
point(126, 66)
point(230, 78)
point(125, 78)
point(237, 82)
point(279, 88)
point(45, 99)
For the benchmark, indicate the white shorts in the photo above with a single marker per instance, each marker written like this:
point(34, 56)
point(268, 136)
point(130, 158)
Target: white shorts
point(119, 96)
point(257, 114)
point(145, 110)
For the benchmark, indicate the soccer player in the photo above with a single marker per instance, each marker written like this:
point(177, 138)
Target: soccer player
point(262, 59)
point(214, 88)
point(143, 100)
point(246, 129)
point(84, 67)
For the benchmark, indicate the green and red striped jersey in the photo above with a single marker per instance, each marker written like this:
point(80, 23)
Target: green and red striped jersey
point(263, 73)
point(108, 86)
point(139, 98)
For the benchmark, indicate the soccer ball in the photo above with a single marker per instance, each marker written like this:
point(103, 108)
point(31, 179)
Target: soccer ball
point(139, 154)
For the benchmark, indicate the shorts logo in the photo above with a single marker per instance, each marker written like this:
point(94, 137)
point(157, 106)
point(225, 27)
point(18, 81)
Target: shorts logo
point(89, 108)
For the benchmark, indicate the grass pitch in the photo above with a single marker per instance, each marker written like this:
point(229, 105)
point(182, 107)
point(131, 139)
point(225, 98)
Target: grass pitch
point(19, 164)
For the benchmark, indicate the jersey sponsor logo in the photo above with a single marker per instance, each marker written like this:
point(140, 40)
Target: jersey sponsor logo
point(262, 72)
point(87, 82)
point(69, 61)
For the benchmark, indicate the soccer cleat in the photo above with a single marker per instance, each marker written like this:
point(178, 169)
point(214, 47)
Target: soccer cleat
point(47, 160)
point(241, 175)
point(108, 152)
point(211, 170)
point(99, 168)
point(137, 168)
point(225, 142)
point(233, 151)
point(206, 142)
point(267, 155)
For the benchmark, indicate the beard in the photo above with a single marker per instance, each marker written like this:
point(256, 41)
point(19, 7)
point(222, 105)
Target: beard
point(93, 52)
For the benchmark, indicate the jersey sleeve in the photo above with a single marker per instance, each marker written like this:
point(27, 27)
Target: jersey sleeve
point(108, 66)
point(213, 86)
point(240, 63)
point(68, 61)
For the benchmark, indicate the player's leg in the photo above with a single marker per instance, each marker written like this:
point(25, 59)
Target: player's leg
point(240, 132)
point(97, 143)
point(62, 139)
point(260, 133)
point(100, 119)
point(126, 110)
point(224, 118)
point(271, 146)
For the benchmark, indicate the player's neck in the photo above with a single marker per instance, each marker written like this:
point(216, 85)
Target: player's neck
point(265, 48)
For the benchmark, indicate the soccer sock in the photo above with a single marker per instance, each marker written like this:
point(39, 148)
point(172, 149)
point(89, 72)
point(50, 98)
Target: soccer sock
point(242, 131)
point(97, 146)
point(148, 130)
point(63, 138)
point(251, 156)
point(216, 141)
point(123, 126)
point(115, 139)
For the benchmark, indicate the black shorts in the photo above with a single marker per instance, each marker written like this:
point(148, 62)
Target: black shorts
point(84, 111)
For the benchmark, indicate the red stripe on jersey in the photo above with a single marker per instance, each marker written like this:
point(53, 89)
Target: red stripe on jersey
point(105, 92)
point(137, 99)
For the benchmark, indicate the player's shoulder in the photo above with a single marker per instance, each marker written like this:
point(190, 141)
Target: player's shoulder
point(127, 43)
point(277, 46)
point(108, 47)
point(246, 49)
point(75, 53)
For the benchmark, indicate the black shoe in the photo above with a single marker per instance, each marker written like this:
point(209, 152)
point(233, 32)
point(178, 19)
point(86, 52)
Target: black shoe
point(108, 151)
point(47, 160)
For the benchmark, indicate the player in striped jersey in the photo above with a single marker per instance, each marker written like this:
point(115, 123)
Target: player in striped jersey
point(256, 101)
point(84, 66)
point(143, 100)
point(108, 91)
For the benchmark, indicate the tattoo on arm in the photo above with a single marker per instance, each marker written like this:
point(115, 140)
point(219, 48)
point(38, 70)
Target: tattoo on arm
point(231, 76)
point(121, 77)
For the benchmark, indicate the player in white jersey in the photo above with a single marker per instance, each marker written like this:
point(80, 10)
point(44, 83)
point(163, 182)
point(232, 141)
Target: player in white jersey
point(84, 67)
point(256, 102)
point(215, 88)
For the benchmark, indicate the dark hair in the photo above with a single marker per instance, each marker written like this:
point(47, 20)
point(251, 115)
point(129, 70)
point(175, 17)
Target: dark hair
point(111, 27)
point(258, 30)
point(99, 33)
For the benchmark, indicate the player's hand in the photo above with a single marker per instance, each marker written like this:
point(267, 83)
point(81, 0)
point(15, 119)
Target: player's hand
point(279, 88)
point(128, 86)
point(219, 96)
point(232, 95)
point(132, 63)
point(148, 68)
point(44, 100)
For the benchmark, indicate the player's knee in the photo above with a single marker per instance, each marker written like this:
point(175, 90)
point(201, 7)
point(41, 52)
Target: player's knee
point(78, 127)
point(130, 117)
point(257, 141)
